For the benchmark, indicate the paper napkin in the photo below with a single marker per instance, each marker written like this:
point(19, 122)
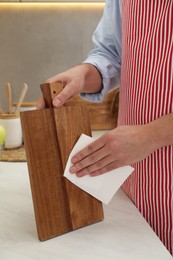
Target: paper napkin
point(102, 187)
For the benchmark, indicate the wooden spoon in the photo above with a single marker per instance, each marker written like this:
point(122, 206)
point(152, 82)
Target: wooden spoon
point(9, 97)
point(21, 98)
point(1, 110)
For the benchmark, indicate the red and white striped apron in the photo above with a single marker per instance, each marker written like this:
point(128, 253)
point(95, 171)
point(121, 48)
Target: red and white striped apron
point(146, 93)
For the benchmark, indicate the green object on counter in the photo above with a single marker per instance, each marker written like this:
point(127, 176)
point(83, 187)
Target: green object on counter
point(2, 135)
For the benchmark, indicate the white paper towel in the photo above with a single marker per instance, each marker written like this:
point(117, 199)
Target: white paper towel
point(102, 187)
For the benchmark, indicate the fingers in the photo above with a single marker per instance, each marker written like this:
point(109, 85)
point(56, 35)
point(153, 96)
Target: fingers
point(93, 159)
point(74, 81)
point(70, 90)
point(109, 167)
point(97, 168)
point(88, 150)
point(64, 96)
point(91, 162)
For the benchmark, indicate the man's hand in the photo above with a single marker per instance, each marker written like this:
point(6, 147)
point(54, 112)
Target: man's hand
point(82, 78)
point(122, 146)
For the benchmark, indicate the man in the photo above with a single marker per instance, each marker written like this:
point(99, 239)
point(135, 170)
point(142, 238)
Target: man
point(133, 43)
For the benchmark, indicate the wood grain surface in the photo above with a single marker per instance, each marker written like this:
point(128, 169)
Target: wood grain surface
point(49, 136)
point(104, 115)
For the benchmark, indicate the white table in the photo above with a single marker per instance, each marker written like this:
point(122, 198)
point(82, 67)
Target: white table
point(124, 234)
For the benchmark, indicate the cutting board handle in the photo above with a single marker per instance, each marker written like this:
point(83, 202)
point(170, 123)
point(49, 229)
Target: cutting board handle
point(49, 91)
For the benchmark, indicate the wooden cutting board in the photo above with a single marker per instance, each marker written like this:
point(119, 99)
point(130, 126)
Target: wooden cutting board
point(49, 136)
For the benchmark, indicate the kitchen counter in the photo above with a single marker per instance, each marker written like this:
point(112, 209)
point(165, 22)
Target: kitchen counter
point(123, 235)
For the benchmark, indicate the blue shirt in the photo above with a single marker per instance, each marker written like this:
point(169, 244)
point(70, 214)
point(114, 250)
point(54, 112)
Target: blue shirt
point(106, 55)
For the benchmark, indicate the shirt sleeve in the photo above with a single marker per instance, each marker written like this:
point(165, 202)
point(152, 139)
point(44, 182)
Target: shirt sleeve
point(106, 55)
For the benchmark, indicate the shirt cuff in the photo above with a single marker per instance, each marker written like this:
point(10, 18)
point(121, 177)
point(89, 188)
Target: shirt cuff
point(108, 84)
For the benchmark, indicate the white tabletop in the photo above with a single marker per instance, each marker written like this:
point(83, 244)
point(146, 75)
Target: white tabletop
point(124, 234)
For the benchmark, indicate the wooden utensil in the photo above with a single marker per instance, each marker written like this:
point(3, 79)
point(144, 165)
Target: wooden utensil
point(1, 110)
point(49, 136)
point(9, 97)
point(21, 98)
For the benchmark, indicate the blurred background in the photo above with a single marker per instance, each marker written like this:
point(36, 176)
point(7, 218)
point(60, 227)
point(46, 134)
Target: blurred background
point(39, 40)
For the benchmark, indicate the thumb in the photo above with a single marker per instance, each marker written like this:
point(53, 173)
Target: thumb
point(63, 96)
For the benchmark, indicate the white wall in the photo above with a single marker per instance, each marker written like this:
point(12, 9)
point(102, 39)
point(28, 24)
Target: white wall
point(38, 41)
